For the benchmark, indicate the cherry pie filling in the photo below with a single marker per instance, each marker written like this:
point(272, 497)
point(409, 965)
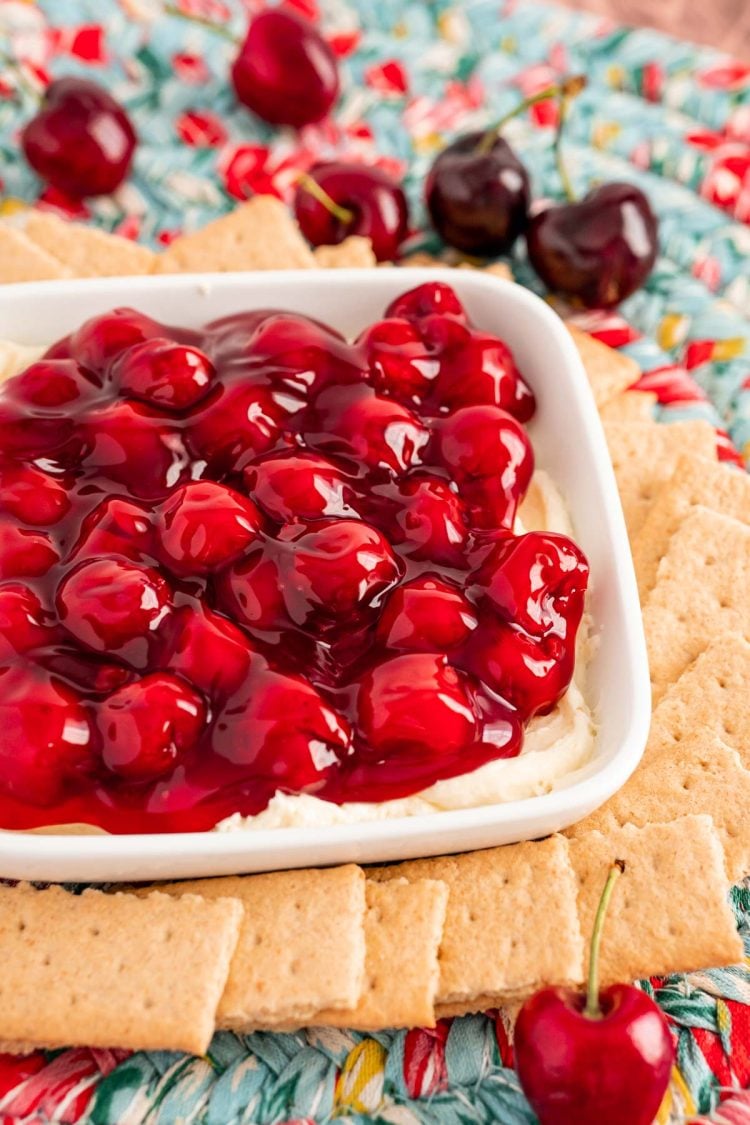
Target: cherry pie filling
point(258, 558)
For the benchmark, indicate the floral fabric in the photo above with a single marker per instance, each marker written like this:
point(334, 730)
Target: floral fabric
point(671, 116)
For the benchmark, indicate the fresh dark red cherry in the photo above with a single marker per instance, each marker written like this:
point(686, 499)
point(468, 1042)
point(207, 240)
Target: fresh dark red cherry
point(204, 526)
point(300, 486)
point(24, 553)
point(81, 141)
point(164, 374)
point(336, 569)
point(335, 200)
point(429, 299)
point(285, 71)
point(477, 193)
point(113, 606)
point(31, 496)
point(537, 580)
point(356, 423)
point(147, 726)
point(279, 729)
point(598, 250)
point(426, 615)
point(595, 1057)
point(44, 734)
point(415, 705)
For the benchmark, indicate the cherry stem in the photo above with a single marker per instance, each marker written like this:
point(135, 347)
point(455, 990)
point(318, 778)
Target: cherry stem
point(568, 88)
point(308, 184)
point(593, 1009)
point(562, 171)
point(173, 10)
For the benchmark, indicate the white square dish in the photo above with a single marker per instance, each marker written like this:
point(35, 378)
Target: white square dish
point(569, 444)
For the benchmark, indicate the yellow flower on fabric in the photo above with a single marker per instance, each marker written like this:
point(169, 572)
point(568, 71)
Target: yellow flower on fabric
point(12, 206)
point(672, 330)
point(359, 1087)
point(616, 76)
point(605, 133)
point(729, 349)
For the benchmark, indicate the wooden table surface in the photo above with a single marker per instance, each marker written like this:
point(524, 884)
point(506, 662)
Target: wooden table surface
point(721, 23)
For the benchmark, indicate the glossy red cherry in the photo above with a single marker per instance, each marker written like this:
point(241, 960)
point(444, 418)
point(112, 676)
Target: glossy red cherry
point(598, 250)
point(415, 705)
point(22, 625)
point(285, 71)
point(537, 580)
point(207, 650)
point(250, 591)
point(337, 568)
point(426, 615)
point(356, 423)
point(204, 526)
point(148, 726)
point(24, 553)
point(295, 354)
point(280, 730)
point(31, 496)
point(490, 456)
point(130, 444)
point(300, 486)
point(164, 374)
point(399, 362)
point(44, 734)
point(476, 369)
point(530, 673)
point(101, 339)
point(477, 193)
point(48, 385)
point(431, 521)
point(81, 141)
point(429, 299)
point(603, 1056)
point(116, 527)
point(241, 423)
point(111, 605)
point(335, 200)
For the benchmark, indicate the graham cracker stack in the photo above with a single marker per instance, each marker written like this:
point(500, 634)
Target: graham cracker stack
point(695, 482)
point(258, 235)
point(700, 594)
point(630, 406)
point(86, 251)
point(353, 253)
point(99, 970)
point(301, 945)
point(610, 373)
point(670, 913)
point(644, 456)
point(488, 947)
point(22, 260)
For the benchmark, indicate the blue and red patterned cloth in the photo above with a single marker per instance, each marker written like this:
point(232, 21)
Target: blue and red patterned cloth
point(669, 115)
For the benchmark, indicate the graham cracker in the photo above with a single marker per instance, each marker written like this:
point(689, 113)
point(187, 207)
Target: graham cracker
point(301, 946)
point(710, 697)
point(101, 970)
point(609, 372)
point(403, 928)
point(630, 406)
point(22, 260)
point(87, 251)
point(645, 455)
point(670, 912)
point(700, 776)
point(695, 482)
point(258, 235)
point(511, 921)
point(353, 253)
point(700, 594)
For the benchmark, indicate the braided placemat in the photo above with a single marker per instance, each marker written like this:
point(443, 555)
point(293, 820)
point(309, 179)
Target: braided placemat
point(673, 117)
